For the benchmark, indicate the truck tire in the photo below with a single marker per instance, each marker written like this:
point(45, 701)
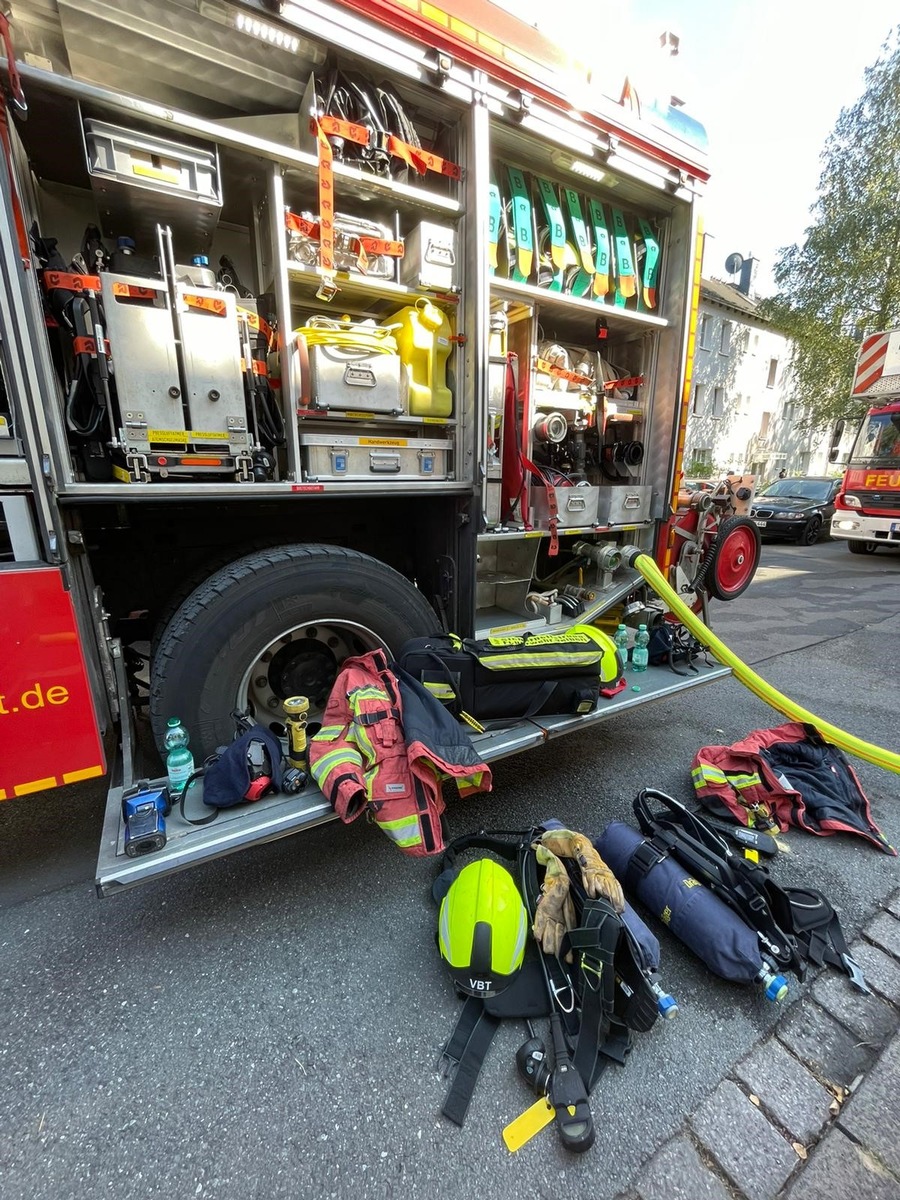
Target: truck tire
point(276, 623)
point(862, 547)
point(734, 558)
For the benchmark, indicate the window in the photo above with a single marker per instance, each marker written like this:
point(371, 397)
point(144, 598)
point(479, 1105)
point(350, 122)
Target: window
point(787, 414)
point(718, 404)
point(773, 371)
point(704, 333)
point(725, 338)
point(764, 424)
point(699, 399)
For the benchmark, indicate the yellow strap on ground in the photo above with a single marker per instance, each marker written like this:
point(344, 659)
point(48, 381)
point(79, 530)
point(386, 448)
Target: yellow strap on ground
point(846, 741)
point(529, 1123)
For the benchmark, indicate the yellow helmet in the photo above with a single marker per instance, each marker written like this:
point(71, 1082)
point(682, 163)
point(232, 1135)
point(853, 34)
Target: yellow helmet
point(482, 928)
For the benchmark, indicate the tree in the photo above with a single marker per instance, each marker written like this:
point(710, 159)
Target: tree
point(844, 280)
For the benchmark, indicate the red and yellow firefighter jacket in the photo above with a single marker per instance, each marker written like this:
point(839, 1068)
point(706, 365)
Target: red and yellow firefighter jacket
point(385, 746)
point(785, 776)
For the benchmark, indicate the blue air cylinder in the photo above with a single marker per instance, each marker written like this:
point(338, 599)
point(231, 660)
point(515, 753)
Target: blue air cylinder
point(697, 917)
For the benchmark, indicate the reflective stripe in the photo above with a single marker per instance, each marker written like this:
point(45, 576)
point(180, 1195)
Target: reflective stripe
point(744, 781)
point(515, 662)
point(327, 733)
point(368, 693)
point(344, 755)
point(709, 773)
point(404, 831)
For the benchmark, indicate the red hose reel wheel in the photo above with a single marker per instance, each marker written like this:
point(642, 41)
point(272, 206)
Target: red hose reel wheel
point(734, 558)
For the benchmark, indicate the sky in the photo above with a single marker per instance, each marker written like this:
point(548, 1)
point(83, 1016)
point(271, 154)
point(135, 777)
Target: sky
point(768, 79)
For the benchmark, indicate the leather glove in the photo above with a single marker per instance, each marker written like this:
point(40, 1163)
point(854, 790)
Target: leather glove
point(596, 876)
point(555, 912)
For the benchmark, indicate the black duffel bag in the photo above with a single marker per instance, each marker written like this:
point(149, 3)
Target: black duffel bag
point(515, 676)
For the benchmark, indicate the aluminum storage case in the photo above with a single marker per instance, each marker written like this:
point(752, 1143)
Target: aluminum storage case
point(576, 506)
point(429, 260)
point(185, 181)
point(350, 369)
point(624, 504)
point(335, 457)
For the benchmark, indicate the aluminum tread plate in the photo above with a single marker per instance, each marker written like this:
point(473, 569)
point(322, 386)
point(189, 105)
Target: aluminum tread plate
point(279, 816)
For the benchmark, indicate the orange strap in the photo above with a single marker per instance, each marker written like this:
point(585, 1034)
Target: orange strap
point(547, 368)
point(420, 160)
point(87, 345)
point(631, 381)
point(206, 304)
point(258, 325)
point(70, 283)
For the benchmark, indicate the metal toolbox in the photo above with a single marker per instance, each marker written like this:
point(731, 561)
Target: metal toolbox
point(624, 504)
point(185, 181)
point(576, 506)
point(429, 259)
point(335, 457)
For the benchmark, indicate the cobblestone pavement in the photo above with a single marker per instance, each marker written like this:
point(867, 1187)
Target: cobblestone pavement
point(813, 1111)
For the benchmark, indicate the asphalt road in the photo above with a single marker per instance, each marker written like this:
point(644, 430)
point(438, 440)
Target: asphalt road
point(269, 1024)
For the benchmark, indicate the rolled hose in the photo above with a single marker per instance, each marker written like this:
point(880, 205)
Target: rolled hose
point(781, 703)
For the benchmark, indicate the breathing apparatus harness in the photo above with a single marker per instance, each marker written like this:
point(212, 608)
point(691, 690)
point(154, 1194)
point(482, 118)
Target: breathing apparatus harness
point(591, 1014)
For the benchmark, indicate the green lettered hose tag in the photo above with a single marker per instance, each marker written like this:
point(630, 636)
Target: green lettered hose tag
point(650, 266)
point(602, 249)
point(493, 223)
point(522, 225)
point(626, 285)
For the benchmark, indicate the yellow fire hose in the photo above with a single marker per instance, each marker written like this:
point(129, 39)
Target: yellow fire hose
point(846, 741)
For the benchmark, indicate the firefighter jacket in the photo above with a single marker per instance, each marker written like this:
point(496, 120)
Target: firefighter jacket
point(785, 776)
point(385, 747)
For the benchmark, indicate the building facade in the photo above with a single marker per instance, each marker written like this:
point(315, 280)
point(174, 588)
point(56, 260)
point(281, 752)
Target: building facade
point(741, 416)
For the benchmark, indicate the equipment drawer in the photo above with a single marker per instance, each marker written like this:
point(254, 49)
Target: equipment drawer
point(624, 504)
point(577, 506)
point(333, 457)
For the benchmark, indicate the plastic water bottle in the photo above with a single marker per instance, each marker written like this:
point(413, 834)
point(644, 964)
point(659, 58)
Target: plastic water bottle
point(640, 656)
point(620, 637)
point(775, 985)
point(179, 760)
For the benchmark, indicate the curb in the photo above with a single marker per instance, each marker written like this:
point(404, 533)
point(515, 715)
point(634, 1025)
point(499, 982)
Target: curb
point(810, 1106)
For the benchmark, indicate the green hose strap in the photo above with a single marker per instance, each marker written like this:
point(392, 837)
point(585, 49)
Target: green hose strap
point(650, 266)
point(523, 227)
point(626, 285)
point(493, 223)
point(602, 249)
point(555, 223)
point(579, 231)
point(775, 699)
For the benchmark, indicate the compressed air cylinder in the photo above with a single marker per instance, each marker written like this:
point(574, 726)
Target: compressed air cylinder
point(705, 924)
point(423, 339)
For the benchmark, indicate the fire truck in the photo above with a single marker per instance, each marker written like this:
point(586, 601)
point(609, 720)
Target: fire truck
point(867, 508)
point(325, 325)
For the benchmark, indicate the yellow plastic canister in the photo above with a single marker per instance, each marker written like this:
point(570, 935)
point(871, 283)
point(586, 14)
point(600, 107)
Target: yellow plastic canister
point(423, 339)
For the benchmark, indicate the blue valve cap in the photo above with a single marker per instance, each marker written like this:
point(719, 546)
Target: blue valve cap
point(776, 989)
point(668, 1006)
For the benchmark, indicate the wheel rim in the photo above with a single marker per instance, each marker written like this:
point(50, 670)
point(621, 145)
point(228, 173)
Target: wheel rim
point(303, 660)
point(736, 560)
point(811, 533)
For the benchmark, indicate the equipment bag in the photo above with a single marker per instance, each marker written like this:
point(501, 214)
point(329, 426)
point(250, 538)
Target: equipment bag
point(516, 676)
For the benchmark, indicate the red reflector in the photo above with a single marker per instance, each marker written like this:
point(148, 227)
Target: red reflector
point(162, 462)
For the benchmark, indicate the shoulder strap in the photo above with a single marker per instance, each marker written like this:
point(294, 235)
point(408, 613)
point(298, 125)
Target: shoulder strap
point(466, 1049)
point(594, 943)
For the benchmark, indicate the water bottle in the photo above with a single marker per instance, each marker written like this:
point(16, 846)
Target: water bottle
point(640, 656)
point(179, 760)
point(620, 637)
point(775, 985)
